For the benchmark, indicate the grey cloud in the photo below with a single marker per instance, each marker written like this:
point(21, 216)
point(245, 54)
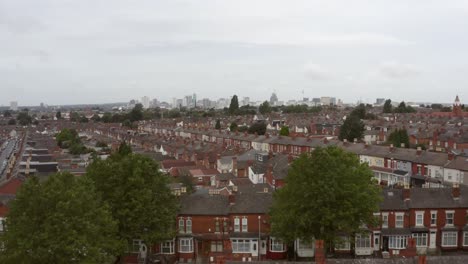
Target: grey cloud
point(396, 70)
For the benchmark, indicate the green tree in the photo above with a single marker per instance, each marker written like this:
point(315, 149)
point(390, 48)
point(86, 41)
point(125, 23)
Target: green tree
point(138, 195)
point(74, 116)
point(352, 128)
point(388, 108)
point(264, 108)
point(58, 115)
point(12, 122)
point(136, 114)
point(234, 106)
point(61, 220)
point(359, 111)
point(218, 124)
point(6, 113)
point(83, 119)
point(233, 126)
point(284, 131)
point(259, 128)
point(107, 117)
point(328, 192)
point(398, 137)
point(24, 118)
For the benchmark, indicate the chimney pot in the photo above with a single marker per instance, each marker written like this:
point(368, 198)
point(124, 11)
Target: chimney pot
point(456, 191)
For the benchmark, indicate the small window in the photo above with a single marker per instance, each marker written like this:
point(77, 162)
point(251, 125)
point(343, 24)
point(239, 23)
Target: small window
point(189, 226)
point(216, 246)
point(449, 218)
point(433, 218)
point(449, 239)
point(399, 220)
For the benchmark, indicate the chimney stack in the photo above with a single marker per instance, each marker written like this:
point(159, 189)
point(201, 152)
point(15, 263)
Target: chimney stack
point(406, 192)
point(402, 145)
point(234, 166)
point(232, 197)
point(418, 151)
point(450, 155)
point(391, 148)
point(456, 191)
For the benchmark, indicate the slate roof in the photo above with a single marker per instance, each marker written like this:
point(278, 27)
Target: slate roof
point(204, 204)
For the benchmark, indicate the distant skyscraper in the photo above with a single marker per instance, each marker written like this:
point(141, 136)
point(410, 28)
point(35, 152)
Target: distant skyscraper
point(273, 99)
point(145, 101)
point(380, 101)
point(14, 106)
point(194, 100)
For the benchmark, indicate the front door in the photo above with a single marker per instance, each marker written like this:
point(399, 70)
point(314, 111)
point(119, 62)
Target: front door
point(263, 245)
point(376, 241)
point(432, 239)
point(254, 248)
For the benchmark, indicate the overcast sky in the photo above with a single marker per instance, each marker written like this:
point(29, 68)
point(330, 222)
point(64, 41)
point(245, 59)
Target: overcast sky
point(98, 51)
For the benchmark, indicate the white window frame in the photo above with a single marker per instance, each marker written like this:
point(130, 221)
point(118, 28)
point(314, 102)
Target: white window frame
point(362, 241)
point(181, 225)
point(397, 215)
point(188, 225)
point(420, 239)
point(419, 218)
point(2, 224)
point(168, 244)
point(241, 245)
point(452, 219)
point(136, 243)
point(277, 245)
point(186, 245)
point(216, 246)
point(452, 235)
point(236, 224)
point(397, 242)
point(433, 218)
point(244, 224)
point(384, 220)
point(465, 239)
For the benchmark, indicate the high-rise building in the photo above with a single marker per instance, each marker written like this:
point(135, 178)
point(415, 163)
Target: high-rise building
point(14, 106)
point(273, 99)
point(380, 101)
point(145, 101)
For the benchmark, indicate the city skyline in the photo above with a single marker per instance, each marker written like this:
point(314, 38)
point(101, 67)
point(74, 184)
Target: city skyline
point(113, 51)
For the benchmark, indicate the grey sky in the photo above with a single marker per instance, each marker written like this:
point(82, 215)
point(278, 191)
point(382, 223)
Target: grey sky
point(96, 51)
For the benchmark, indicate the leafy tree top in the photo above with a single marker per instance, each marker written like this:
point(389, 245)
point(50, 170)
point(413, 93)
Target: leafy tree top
point(264, 108)
point(284, 131)
point(328, 192)
point(234, 106)
point(61, 220)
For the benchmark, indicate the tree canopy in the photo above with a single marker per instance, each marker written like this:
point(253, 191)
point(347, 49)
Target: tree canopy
point(24, 118)
point(138, 195)
point(398, 137)
point(284, 131)
point(233, 126)
point(259, 128)
point(265, 108)
point(328, 192)
point(234, 106)
point(218, 124)
point(61, 220)
point(388, 108)
point(69, 139)
point(352, 128)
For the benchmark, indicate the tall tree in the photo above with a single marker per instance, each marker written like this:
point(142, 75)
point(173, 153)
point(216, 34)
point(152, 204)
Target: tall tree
point(234, 106)
point(328, 192)
point(259, 128)
point(398, 137)
point(264, 108)
point(6, 113)
point(284, 131)
point(58, 115)
point(24, 118)
point(61, 220)
point(233, 126)
point(137, 113)
point(138, 195)
point(218, 124)
point(388, 108)
point(352, 128)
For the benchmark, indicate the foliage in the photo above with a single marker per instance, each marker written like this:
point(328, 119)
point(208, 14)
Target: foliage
point(258, 127)
point(234, 106)
point(137, 113)
point(233, 126)
point(403, 108)
point(12, 122)
point(264, 108)
point(83, 119)
point(75, 116)
point(187, 182)
point(360, 111)
point(218, 124)
point(388, 108)
point(24, 118)
point(6, 113)
point(106, 117)
point(352, 128)
point(437, 106)
point(328, 192)
point(138, 195)
point(124, 149)
point(62, 220)
point(284, 131)
point(58, 115)
point(398, 137)
point(68, 138)
point(422, 146)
